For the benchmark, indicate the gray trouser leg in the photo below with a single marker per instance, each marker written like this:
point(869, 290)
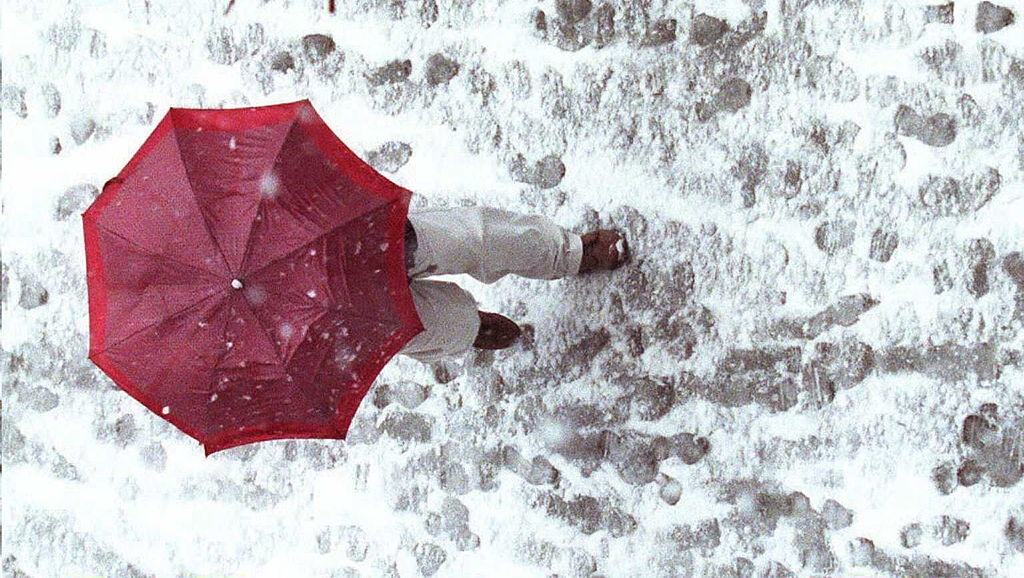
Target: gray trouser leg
point(487, 244)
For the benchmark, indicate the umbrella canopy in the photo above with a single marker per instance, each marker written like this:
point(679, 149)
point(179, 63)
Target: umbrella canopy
point(246, 275)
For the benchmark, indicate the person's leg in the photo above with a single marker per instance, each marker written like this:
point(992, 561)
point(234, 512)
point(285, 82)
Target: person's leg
point(488, 243)
point(450, 320)
point(452, 324)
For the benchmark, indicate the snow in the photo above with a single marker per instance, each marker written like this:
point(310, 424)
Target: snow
point(270, 185)
point(255, 293)
point(721, 287)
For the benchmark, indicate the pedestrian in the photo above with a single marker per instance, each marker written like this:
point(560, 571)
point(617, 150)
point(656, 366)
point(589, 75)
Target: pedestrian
point(488, 243)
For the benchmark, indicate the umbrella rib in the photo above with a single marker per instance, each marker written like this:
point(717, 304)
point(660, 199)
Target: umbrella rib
point(248, 238)
point(252, 225)
point(322, 235)
point(330, 290)
point(349, 313)
point(158, 322)
point(375, 322)
point(262, 328)
point(320, 364)
point(202, 215)
point(145, 251)
point(270, 290)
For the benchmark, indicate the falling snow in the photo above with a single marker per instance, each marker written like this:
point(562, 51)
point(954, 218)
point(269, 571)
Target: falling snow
point(270, 185)
point(770, 161)
point(286, 330)
point(256, 294)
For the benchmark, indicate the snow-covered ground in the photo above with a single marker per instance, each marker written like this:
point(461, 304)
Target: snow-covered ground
point(826, 202)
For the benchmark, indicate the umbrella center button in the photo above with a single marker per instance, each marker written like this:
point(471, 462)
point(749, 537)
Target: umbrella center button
point(236, 283)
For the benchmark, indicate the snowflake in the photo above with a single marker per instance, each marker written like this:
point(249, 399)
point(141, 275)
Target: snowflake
point(270, 185)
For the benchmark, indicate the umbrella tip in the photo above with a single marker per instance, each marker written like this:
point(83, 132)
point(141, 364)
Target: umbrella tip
point(236, 283)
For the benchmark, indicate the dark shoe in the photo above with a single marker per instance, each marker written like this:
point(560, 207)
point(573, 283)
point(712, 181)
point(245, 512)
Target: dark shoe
point(496, 331)
point(603, 249)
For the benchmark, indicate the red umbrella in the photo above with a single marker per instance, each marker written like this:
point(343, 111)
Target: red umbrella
point(246, 275)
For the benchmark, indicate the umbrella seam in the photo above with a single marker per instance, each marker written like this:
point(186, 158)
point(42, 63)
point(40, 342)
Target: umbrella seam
point(330, 290)
point(142, 249)
point(305, 243)
point(252, 226)
point(155, 323)
point(319, 369)
point(202, 215)
point(272, 291)
point(325, 233)
point(221, 438)
point(263, 329)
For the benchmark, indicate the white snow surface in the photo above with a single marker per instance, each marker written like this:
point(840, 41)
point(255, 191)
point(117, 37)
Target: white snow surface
point(826, 295)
